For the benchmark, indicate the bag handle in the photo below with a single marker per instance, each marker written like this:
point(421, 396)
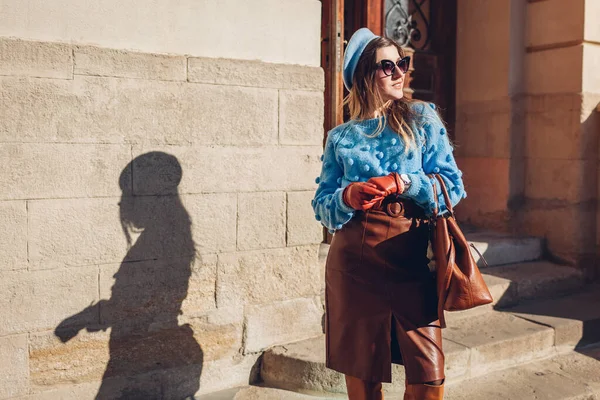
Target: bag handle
point(445, 191)
point(450, 209)
point(435, 196)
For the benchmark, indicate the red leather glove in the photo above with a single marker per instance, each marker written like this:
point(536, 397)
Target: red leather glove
point(388, 184)
point(362, 195)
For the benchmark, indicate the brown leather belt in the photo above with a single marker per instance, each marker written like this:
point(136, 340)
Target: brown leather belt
point(396, 206)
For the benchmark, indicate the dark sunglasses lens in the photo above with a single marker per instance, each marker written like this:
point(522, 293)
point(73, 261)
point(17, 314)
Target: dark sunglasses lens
point(387, 67)
point(403, 64)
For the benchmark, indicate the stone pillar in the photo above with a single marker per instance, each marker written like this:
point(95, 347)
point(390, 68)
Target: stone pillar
point(527, 129)
point(489, 124)
point(563, 90)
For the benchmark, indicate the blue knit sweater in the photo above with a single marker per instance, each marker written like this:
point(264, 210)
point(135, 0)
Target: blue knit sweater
point(351, 156)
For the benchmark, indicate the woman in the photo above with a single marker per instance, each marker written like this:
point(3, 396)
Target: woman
point(375, 193)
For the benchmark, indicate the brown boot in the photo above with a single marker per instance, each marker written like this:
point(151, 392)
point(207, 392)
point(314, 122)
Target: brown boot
point(424, 392)
point(363, 390)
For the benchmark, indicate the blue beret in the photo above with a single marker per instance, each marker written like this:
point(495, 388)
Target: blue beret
point(354, 50)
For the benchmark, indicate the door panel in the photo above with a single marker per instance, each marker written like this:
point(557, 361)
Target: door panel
point(332, 39)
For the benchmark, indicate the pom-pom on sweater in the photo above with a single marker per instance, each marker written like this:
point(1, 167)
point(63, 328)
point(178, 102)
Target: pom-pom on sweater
point(350, 155)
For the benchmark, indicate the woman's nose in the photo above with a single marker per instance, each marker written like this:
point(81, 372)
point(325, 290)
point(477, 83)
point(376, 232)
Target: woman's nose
point(397, 73)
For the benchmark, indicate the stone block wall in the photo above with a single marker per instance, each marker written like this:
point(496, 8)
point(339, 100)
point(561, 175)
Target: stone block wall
point(155, 217)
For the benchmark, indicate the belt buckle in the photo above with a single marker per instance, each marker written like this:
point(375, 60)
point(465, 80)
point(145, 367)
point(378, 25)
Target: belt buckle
point(394, 208)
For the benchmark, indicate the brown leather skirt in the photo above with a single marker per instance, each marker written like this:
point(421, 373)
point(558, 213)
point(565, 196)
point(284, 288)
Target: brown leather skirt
point(381, 297)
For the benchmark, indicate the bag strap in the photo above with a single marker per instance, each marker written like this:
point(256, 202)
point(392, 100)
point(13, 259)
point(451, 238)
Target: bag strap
point(446, 196)
point(435, 196)
point(480, 255)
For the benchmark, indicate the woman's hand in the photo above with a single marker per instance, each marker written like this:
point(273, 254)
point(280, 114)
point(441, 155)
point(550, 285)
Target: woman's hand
point(362, 195)
point(388, 184)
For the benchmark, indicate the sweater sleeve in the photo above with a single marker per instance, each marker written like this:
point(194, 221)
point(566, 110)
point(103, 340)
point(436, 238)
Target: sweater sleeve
point(437, 159)
point(328, 205)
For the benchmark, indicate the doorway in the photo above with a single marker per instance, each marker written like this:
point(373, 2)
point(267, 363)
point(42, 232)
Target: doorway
point(425, 28)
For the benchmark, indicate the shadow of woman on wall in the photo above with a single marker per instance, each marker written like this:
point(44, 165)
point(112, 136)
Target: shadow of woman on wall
point(151, 355)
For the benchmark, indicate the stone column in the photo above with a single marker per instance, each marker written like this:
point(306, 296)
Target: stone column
point(563, 90)
point(489, 97)
point(527, 129)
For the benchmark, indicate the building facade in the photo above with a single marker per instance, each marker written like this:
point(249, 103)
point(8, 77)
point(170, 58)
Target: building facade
point(159, 161)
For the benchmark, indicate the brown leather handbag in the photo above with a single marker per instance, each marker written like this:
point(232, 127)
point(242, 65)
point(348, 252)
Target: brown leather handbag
point(460, 285)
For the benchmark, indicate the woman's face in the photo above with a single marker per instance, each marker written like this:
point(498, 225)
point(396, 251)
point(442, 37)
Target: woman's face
point(390, 87)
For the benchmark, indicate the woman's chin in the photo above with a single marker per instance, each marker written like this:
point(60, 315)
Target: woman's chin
point(396, 96)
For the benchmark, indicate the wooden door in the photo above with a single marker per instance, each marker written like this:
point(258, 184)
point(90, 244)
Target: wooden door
point(340, 19)
point(425, 27)
point(332, 40)
point(428, 27)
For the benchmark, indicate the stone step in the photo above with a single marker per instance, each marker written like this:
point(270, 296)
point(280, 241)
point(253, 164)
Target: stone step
point(502, 249)
point(569, 376)
point(474, 346)
point(575, 318)
point(515, 283)
point(266, 393)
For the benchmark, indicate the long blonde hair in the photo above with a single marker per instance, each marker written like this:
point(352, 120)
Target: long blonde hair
point(364, 97)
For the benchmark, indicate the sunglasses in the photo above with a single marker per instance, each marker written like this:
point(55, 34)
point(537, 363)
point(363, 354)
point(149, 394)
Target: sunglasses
point(389, 67)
